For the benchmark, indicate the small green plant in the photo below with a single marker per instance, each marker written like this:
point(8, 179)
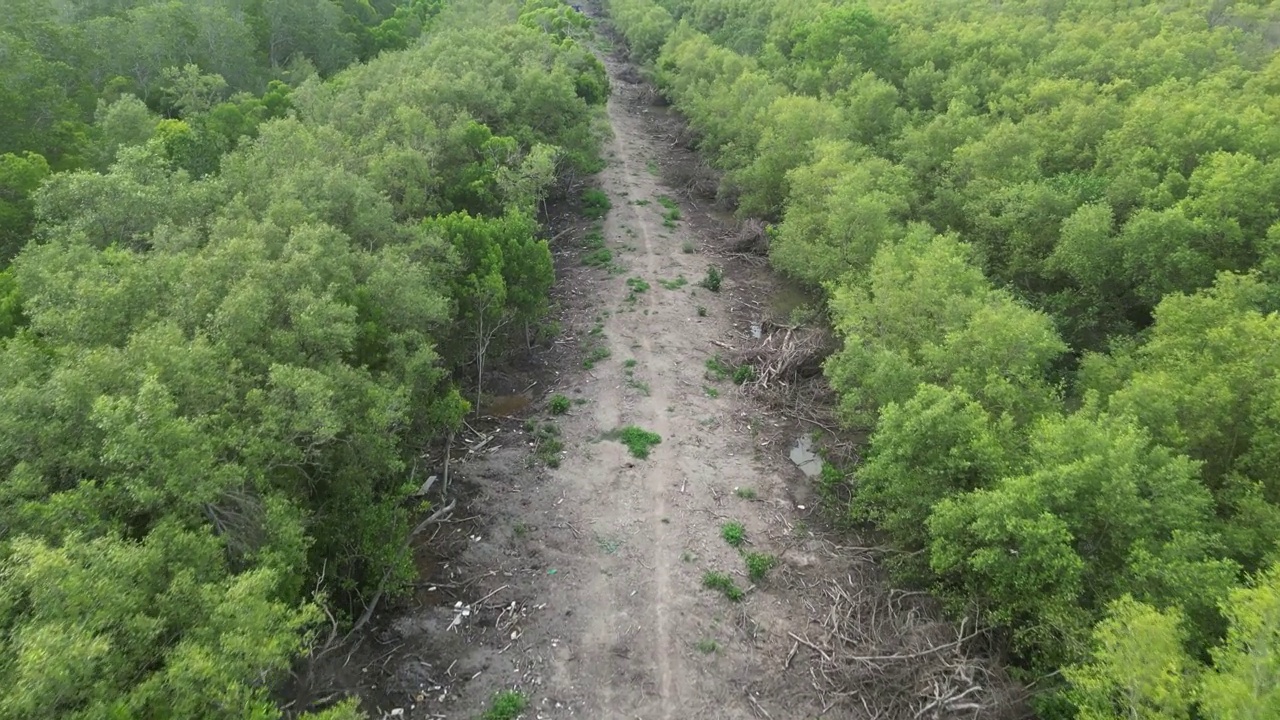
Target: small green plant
point(629, 363)
point(745, 493)
point(718, 369)
point(668, 203)
point(710, 391)
point(639, 385)
point(688, 247)
point(595, 204)
point(687, 556)
point(652, 167)
point(733, 533)
point(713, 279)
point(520, 530)
point(637, 440)
point(594, 239)
point(506, 705)
point(759, 565)
point(743, 374)
point(641, 202)
point(676, 284)
point(547, 444)
point(702, 311)
point(707, 647)
point(722, 582)
point(559, 404)
point(637, 285)
point(597, 354)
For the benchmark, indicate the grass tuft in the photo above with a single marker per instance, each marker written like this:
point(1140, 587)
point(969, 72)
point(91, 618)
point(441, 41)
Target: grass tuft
point(722, 582)
point(559, 404)
point(745, 493)
point(759, 565)
point(507, 705)
point(733, 533)
point(597, 354)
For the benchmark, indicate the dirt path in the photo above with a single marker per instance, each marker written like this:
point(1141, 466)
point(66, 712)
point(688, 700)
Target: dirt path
point(627, 630)
point(581, 586)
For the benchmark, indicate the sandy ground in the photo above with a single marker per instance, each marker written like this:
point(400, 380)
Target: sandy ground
point(582, 586)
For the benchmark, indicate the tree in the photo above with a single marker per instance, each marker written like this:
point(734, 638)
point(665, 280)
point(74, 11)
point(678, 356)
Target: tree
point(938, 444)
point(1245, 682)
point(1138, 668)
point(20, 176)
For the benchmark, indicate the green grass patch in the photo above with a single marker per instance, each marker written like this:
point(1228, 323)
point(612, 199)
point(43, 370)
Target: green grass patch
point(707, 647)
point(595, 204)
point(629, 363)
point(596, 355)
point(676, 284)
point(733, 533)
point(652, 167)
point(639, 386)
point(638, 285)
point(688, 247)
point(641, 202)
point(600, 257)
point(759, 565)
point(702, 311)
point(722, 582)
point(506, 705)
point(745, 493)
point(559, 404)
point(710, 391)
point(743, 373)
point(638, 440)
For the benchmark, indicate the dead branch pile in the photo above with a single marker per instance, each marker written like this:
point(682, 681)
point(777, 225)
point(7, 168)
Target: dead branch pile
point(649, 95)
point(630, 75)
point(695, 180)
point(785, 355)
point(884, 653)
point(750, 236)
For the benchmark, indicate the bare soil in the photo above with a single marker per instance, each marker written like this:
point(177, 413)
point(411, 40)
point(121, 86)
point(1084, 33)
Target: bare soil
point(582, 586)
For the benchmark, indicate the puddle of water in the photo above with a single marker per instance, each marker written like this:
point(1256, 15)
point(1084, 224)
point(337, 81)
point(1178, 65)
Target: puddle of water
point(787, 297)
point(506, 405)
point(805, 458)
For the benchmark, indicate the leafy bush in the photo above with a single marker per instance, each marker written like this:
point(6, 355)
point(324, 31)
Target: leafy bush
point(713, 279)
point(559, 404)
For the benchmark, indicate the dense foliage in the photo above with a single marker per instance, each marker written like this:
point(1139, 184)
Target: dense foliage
point(1049, 238)
point(219, 360)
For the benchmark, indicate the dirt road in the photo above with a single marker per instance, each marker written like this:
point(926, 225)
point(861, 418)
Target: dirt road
point(582, 586)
